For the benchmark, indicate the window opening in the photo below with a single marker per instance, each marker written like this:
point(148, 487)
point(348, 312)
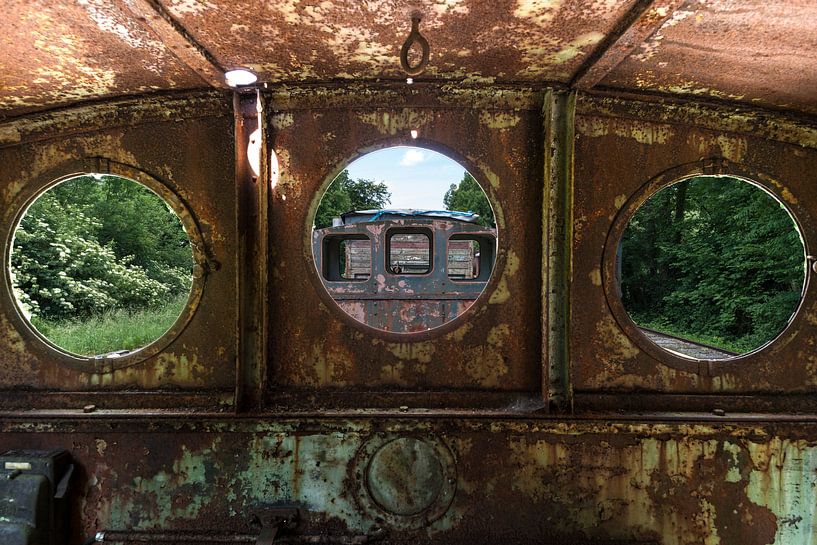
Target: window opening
point(711, 267)
point(409, 253)
point(101, 265)
point(470, 257)
point(347, 258)
point(382, 239)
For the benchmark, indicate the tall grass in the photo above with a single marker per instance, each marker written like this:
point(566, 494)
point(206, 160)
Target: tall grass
point(112, 331)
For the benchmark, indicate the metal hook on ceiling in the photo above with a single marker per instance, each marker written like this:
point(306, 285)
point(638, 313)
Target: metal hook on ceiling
point(413, 37)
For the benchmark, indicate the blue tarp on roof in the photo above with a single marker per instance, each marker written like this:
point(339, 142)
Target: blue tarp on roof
point(361, 216)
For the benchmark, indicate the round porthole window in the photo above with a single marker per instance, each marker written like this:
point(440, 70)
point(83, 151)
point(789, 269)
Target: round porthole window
point(711, 267)
point(404, 240)
point(100, 266)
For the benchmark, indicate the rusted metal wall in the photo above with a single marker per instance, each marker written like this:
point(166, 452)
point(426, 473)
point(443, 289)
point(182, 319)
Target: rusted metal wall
point(318, 422)
point(316, 134)
point(623, 154)
point(184, 143)
point(515, 481)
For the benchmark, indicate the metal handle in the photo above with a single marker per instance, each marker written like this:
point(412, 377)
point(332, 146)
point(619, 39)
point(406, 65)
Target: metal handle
point(413, 37)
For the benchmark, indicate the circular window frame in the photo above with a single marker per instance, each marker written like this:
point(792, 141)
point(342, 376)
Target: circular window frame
point(612, 292)
point(414, 336)
point(201, 264)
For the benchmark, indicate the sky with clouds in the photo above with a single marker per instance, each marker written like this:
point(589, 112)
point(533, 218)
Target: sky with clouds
point(416, 177)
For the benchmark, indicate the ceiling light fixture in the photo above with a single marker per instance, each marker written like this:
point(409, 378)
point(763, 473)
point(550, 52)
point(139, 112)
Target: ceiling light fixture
point(240, 77)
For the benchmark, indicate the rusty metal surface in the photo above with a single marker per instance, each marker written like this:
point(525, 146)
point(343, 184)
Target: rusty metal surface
point(514, 481)
point(620, 161)
point(505, 40)
point(60, 52)
point(193, 160)
point(54, 53)
point(464, 406)
point(318, 345)
point(752, 51)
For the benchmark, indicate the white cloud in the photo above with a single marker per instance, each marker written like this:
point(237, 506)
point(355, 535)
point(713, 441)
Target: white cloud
point(412, 157)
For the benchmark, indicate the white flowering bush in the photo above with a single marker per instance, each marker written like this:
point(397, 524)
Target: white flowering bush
point(69, 258)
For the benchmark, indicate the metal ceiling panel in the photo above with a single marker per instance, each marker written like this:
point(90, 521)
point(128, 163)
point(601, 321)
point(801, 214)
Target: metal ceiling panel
point(477, 40)
point(755, 51)
point(60, 52)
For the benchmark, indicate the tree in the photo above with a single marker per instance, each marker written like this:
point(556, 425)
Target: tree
point(468, 196)
point(345, 194)
point(713, 257)
point(93, 244)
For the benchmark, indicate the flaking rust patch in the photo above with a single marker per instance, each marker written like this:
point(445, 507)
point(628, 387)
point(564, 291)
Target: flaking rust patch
point(287, 185)
point(499, 120)
point(501, 294)
point(498, 334)
point(641, 132)
point(575, 48)
point(459, 334)
point(281, 121)
point(616, 342)
point(393, 122)
point(595, 276)
point(9, 134)
point(512, 263)
point(392, 373)
point(422, 352)
point(486, 365)
point(788, 197)
point(733, 148)
point(327, 366)
point(539, 12)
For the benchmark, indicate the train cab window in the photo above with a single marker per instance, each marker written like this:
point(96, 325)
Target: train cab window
point(463, 259)
point(347, 258)
point(101, 265)
point(382, 239)
point(470, 257)
point(409, 253)
point(711, 267)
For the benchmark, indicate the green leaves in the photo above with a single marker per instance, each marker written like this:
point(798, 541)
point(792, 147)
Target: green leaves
point(714, 257)
point(344, 195)
point(468, 196)
point(90, 245)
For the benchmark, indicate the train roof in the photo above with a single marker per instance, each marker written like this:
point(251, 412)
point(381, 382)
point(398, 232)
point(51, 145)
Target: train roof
point(364, 216)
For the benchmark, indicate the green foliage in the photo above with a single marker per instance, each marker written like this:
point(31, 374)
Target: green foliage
point(713, 257)
point(345, 194)
point(468, 196)
point(112, 330)
point(93, 244)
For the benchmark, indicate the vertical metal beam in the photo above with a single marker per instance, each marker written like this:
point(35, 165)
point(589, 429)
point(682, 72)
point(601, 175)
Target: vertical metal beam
point(252, 191)
point(558, 114)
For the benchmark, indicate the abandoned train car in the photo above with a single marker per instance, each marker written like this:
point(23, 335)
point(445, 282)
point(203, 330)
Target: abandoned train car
point(405, 271)
point(520, 405)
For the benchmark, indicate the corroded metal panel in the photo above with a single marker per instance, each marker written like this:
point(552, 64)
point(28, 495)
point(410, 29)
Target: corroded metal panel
point(748, 51)
point(495, 344)
point(505, 40)
point(194, 161)
point(57, 53)
point(620, 159)
point(497, 481)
